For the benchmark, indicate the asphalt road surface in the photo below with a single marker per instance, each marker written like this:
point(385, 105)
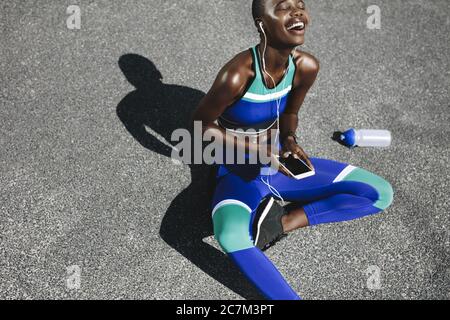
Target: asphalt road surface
point(92, 206)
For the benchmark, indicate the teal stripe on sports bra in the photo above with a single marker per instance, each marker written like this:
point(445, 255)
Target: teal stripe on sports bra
point(258, 105)
point(258, 92)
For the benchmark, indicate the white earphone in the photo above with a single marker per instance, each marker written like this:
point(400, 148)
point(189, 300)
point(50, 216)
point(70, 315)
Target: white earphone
point(267, 183)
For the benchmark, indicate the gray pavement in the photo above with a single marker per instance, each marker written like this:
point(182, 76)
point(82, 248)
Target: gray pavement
point(86, 178)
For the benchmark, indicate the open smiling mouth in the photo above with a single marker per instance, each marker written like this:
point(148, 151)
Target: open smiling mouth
point(297, 28)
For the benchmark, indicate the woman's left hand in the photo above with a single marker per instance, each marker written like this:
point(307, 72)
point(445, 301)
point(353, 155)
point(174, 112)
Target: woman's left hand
point(291, 147)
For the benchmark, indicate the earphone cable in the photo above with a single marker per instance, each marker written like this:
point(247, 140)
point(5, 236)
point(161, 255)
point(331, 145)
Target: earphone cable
point(272, 189)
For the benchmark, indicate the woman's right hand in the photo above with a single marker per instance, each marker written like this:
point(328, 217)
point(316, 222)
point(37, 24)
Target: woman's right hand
point(290, 146)
point(275, 162)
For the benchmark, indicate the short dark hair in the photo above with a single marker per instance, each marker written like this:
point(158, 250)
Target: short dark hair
point(257, 9)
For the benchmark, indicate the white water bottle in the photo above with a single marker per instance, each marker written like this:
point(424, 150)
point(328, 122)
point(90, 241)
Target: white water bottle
point(366, 138)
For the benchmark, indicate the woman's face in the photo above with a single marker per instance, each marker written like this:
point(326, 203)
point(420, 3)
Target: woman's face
point(280, 16)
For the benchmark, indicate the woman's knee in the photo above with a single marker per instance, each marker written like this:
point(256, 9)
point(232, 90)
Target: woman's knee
point(386, 195)
point(383, 187)
point(231, 227)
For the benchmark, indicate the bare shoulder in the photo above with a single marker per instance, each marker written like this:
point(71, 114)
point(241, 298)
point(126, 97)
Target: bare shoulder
point(305, 61)
point(235, 74)
point(227, 87)
point(307, 65)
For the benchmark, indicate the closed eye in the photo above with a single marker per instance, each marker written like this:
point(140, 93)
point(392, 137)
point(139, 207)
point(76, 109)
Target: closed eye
point(285, 5)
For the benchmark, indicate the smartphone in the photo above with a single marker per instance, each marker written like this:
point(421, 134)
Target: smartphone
point(297, 168)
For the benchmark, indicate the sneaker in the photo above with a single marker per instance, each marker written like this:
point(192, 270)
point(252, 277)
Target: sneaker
point(267, 227)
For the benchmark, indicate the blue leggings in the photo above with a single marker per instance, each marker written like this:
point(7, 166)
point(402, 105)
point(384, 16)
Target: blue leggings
point(337, 192)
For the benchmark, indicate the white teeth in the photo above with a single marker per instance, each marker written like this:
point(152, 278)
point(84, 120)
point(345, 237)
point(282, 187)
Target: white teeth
point(297, 24)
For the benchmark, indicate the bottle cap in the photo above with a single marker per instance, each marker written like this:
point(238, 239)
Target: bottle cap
point(349, 138)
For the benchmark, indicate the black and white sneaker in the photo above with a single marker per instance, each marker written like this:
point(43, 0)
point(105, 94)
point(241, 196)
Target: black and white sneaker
point(267, 227)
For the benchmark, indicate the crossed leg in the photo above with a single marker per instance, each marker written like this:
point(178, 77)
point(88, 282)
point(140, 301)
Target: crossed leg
point(337, 192)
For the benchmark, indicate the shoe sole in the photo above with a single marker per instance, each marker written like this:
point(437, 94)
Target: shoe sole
point(263, 216)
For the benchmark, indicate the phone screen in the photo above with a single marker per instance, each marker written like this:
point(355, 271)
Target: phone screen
point(295, 166)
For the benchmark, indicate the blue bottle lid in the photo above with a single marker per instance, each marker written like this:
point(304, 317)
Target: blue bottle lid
point(348, 138)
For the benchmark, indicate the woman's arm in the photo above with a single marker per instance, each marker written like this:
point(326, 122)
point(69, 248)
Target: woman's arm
point(307, 70)
point(228, 86)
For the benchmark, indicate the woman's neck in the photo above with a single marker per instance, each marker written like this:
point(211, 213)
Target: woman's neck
point(276, 60)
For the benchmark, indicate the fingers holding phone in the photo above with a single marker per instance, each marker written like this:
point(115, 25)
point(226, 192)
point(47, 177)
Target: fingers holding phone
point(291, 147)
point(275, 163)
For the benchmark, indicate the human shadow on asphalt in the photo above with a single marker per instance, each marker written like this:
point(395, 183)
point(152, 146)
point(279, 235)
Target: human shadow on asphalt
point(155, 108)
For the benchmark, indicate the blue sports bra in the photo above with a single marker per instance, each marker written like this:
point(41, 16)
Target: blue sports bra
point(257, 108)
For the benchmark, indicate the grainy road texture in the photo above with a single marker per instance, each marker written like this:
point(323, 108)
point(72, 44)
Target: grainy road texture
point(86, 177)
